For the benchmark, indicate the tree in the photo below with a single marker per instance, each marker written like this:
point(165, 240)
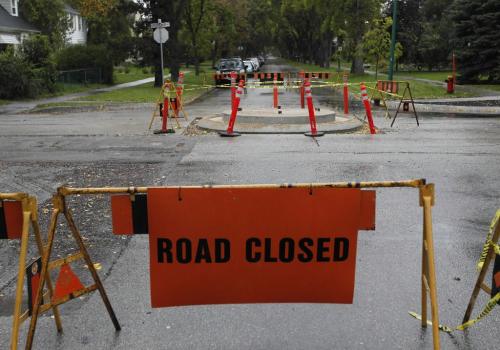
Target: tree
point(195, 21)
point(223, 35)
point(357, 16)
point(94, 8)
point(49, 16)
point(110, 24)
point(409, 27)
point(308, 28)
point(477, 39)
point(168, 11)
point(377, 43)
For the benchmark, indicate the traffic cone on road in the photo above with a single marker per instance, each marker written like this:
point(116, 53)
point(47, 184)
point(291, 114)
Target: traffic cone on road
point(368, 109)
point(230, 127)
point(164, 113)
point(301, 78)
point(233, 88)
point(275, 91)
point(346, 95)
point(312, 117)
point(180, 89)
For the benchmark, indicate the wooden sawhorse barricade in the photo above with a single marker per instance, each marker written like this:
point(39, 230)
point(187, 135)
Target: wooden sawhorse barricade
point(391, 88)
point(19, 213)
point(73, 287)
point(491, 249)
point(426, 197)
point(170, 99)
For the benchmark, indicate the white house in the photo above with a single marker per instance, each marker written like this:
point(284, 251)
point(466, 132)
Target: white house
point(13, 29)
point(77, 32)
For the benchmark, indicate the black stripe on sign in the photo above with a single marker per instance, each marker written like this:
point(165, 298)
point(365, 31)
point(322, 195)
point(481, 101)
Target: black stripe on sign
point(32, 270)
point(3, 223)
point(140, 214)
point(495, 288)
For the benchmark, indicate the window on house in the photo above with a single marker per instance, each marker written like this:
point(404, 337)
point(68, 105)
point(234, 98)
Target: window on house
point(79, 23)
point(75, 22)
point(14, 7)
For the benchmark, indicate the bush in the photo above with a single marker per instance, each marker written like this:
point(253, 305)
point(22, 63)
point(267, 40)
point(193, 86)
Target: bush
point(83, 57)
point(17, 77)
point(36, 51)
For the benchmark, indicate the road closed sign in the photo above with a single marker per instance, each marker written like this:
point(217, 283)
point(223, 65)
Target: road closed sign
point(255, 245)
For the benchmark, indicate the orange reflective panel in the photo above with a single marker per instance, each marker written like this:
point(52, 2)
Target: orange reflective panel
point(255, 245)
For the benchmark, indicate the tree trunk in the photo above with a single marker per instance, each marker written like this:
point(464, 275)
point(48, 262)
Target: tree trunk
point(376, 69)
point(214, 54)
point(357, 65)
point(196, 63)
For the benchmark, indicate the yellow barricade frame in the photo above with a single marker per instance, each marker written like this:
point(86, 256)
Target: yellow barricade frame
point(59, 207)
point(426, 201)
point(402, 98)
point(168, 89)
point(480, 285)
point(30, 220)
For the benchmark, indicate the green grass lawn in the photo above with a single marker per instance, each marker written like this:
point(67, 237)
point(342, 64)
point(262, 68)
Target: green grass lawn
point(419, 89)
point(3, 102)
point(149, 94)
point(126, 75)
point(437, 76)
point(65, 89)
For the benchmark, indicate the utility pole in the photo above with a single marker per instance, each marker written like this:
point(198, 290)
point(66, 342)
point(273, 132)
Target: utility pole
point(393, 38)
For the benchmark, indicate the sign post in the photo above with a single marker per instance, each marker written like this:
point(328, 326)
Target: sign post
point(160, 35)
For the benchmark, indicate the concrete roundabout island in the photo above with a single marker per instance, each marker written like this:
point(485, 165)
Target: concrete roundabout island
point(281, 121)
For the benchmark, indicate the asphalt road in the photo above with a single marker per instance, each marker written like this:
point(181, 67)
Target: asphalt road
point(460, 155)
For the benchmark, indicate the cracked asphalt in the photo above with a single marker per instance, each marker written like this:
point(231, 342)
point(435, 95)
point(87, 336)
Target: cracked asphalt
point(40, 152)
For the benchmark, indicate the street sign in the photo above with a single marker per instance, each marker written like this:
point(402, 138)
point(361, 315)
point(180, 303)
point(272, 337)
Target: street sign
point(160, 25)
point(255, 245)
point(160, 35)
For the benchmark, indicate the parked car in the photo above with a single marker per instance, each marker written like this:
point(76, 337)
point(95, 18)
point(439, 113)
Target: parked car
point(249, 66)
point(261, 59)
point(255, 60)
point(228, 65)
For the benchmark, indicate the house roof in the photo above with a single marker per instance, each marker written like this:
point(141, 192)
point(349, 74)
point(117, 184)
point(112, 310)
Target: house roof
point(9, 23)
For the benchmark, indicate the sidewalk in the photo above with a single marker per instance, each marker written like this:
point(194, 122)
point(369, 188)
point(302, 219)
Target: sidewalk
point(23, 106)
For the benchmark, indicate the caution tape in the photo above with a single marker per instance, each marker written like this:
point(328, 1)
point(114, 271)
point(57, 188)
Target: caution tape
point(487, 309)
point(490, 305)
point(489, 243)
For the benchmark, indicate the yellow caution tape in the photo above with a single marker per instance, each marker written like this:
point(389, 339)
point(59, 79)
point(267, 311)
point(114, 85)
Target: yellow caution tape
point(488, 242)
point(487, 309)
point(441, 327)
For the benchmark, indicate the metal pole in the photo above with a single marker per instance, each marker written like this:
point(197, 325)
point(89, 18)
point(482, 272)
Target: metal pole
point(393, 38)
point(454, 67)
point(161, 53)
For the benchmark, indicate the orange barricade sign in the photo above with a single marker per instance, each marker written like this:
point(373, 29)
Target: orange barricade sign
point(255, 245)
point(11, 219)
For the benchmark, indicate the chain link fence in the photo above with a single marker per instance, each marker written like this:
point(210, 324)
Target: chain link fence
point(81, 76)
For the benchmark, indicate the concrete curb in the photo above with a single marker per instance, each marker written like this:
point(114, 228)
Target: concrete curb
point(216, 123)
point(451, 109)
